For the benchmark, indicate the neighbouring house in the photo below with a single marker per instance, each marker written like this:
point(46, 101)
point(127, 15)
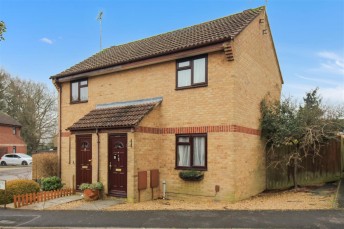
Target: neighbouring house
point(183, 100)
point(10, 139)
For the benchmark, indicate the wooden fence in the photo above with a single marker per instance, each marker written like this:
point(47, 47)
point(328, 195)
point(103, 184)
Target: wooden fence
point(26, 199)
point(316, 170)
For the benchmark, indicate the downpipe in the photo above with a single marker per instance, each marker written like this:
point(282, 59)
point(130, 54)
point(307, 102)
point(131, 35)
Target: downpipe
point(97, 132)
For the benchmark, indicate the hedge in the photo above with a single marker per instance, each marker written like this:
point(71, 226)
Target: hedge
point(17, 187)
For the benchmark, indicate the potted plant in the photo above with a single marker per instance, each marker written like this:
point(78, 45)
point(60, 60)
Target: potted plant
point(91, 191)
point(191, 175)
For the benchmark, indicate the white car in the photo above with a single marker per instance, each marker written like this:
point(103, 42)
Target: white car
point(15, 159)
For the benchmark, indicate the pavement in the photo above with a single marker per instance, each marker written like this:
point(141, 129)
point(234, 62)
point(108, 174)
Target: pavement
point(91, 214)
point(172, 219)
point(86, 205)
point(107, 202)
point(340, 194)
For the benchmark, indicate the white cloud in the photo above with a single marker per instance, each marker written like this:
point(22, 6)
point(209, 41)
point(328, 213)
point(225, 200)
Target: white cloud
point(318, 80)
point(330, 95)
point(47, 40)
point(333, 95)
point(332, 62)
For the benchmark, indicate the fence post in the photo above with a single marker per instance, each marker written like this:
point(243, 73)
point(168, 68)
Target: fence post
point(23, 200)
point(27, 199)
point(18, 201)
point(14, 201)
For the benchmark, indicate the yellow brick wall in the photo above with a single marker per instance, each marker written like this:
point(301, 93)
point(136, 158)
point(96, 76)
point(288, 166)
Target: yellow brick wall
point(219, 172)
point(256, 74)
point(68, 159)
point(232, 97)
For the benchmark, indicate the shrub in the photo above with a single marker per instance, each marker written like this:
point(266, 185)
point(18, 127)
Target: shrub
point(97, 185)
point(191, 175)
point(51, 183)
point(17, 187)
point(44, 165)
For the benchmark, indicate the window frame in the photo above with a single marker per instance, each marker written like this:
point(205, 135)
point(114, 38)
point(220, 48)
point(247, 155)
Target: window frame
point(190, 143)
point(191, 67)
point(79, 87)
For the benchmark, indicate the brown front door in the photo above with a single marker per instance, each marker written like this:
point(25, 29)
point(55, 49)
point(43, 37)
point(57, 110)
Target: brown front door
point(117, 165)
point(83, 159)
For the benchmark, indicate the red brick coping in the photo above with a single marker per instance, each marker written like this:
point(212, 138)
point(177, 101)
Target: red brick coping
point(198, 129)
point(191, 130)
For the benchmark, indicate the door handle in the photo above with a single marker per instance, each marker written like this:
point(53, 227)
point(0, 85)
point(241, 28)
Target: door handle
point(110, 165)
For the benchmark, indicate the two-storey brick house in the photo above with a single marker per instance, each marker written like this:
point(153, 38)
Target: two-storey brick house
point(10, 139)
point(184, 100)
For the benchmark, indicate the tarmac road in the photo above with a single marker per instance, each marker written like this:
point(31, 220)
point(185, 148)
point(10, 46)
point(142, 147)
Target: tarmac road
point(174, 219)
point(15, 172)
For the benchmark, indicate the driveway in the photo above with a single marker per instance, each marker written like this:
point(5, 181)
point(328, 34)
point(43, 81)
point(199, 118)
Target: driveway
point(174, 219)
point(15, 172)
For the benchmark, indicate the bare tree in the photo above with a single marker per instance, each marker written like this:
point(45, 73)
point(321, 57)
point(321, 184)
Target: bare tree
point(3, 84)
point(35, 107)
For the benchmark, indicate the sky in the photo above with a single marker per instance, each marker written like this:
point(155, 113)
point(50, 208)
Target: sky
point(45, 37)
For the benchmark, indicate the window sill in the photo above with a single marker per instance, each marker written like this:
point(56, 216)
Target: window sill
point(79, 102)
point(191, 168)
point(193, 86)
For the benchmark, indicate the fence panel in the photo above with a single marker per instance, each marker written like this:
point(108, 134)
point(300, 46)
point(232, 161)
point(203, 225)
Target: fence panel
point(316, 170)
point(31, 198)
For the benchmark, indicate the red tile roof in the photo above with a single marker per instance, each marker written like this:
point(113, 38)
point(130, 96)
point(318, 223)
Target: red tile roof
point(8, 121)
point(114, 117)
point(212, 32)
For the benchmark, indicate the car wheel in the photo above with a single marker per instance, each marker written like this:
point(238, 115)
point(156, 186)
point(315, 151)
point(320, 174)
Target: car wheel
point(3, 163)
point(24, 163)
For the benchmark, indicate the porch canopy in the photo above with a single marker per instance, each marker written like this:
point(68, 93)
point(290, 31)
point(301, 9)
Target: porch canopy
point(116, 115)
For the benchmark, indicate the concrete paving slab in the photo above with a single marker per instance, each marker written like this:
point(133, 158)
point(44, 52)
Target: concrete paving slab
point(49, 203)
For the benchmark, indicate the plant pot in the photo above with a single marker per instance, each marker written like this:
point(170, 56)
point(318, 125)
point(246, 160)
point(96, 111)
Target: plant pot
point(91, 194)
point(191, 175)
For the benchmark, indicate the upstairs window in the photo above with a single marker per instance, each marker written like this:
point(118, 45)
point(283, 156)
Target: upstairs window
point(14, 130)
point(192, 72)
point(79, 91)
